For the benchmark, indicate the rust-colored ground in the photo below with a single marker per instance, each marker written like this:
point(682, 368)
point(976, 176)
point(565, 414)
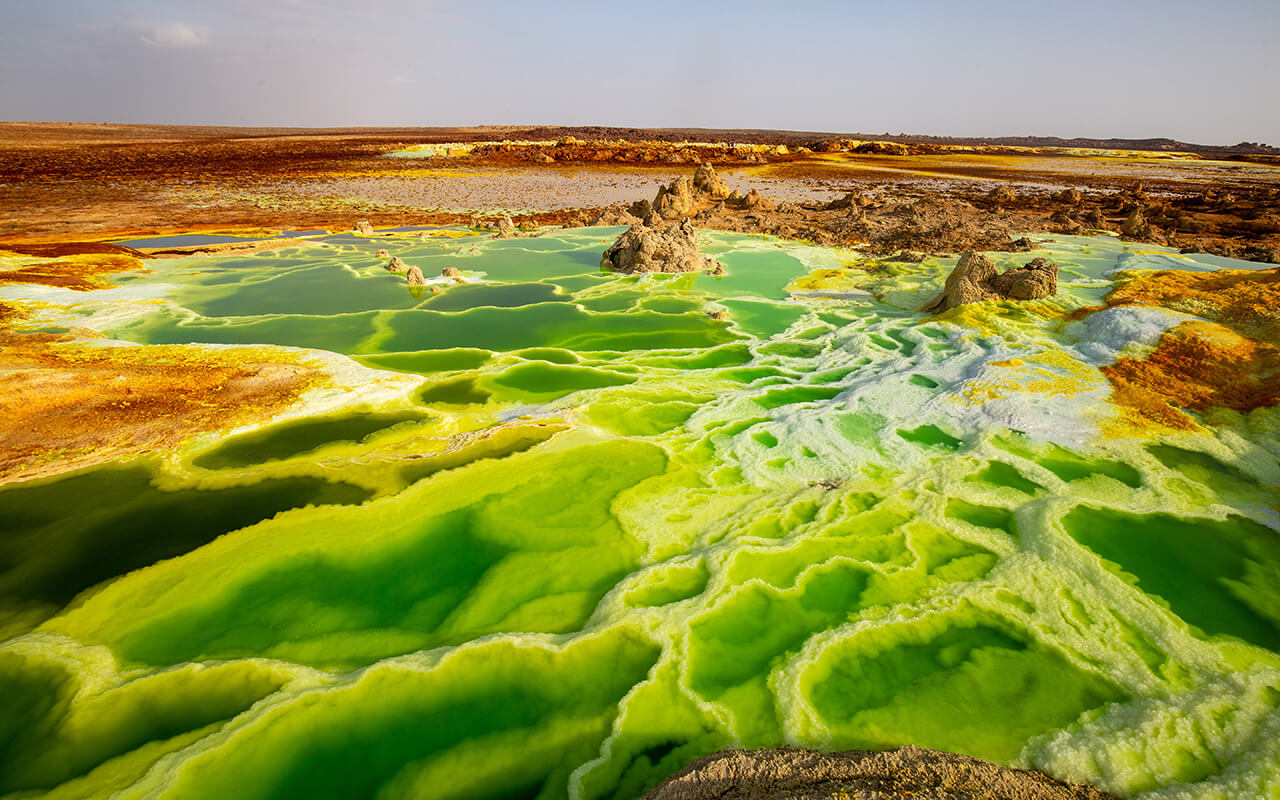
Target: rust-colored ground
point(65, 181)
point(1246, 300)
point(79, 272)
point(67, 405)
point(1232, 362)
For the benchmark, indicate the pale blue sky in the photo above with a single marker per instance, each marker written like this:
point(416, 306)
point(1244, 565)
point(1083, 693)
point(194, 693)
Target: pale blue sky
point(1200, 72)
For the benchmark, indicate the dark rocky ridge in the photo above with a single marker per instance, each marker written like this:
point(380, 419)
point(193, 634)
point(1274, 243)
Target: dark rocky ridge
point(907, 772)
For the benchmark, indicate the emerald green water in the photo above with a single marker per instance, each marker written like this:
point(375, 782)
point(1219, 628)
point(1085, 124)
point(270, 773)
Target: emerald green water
point(554, 533)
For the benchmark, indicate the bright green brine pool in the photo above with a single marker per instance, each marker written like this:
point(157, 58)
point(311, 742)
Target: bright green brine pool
point(559, 532)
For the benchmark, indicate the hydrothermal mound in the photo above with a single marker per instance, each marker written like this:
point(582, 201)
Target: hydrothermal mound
point(551, 532)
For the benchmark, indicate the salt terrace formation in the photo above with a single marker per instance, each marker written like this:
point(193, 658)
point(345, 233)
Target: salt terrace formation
point(612, 523)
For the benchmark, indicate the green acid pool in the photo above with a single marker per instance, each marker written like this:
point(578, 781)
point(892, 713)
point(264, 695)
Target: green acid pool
point(615, 523)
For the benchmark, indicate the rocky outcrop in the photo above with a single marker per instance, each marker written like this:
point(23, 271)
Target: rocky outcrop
point(396, 264)
point(647, 249)
point(414, 277)
point(758, 202)
point(450, 272)
point(1136, 225)
point(364, 228)
point(1037, 278)
point(676, 200)
point(975, 279)
point(614, 216)
point(794, 774)
point(381, 254)
point(1071, 197)
point(706, 181)
point(506, 229)
point(1002, 194)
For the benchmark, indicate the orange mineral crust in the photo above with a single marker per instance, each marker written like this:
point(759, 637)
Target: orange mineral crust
point(1245, 300)
point(66, 405)
point(1197, 365)
point(81, 272)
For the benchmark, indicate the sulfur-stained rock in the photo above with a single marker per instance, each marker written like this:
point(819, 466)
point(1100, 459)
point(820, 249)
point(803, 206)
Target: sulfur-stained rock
point(450, 272)
point(415, 277)
point(646, 249)
point(396, 264)
point(706, 180)
point(975, 280)
point(967, 283)
point(758, 202)
point(1002, 194)
point(614, 216)
point(506, 229)
point(381, 254)
point(364, 228)
point(676, 200)
point(1038, 278)
point(1136, 225)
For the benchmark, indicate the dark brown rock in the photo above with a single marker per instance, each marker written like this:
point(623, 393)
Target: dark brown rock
point(793, 774)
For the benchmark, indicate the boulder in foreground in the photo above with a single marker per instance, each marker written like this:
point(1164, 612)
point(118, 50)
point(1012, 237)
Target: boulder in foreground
point(976, 280)
point(793, 774)
point(648, 249)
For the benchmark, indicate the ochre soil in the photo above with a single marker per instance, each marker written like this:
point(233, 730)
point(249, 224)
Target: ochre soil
point(1230, 362)
point(68, 404)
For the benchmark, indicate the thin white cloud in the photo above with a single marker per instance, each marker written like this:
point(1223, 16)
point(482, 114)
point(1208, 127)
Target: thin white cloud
point(173, 35)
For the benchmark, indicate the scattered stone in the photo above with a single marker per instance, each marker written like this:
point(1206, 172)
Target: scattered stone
point(415, 277)
point(397, 264)
point(1095, 220)
point(381, 254)
point(450, 272)
point(975, 280)
point(1069, 196)
point(364, 228)
point(643, 248)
